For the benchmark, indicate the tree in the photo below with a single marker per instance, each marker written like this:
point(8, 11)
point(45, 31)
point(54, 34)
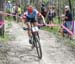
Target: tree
point(38, 4)
point(1, 17)
point(70, 4)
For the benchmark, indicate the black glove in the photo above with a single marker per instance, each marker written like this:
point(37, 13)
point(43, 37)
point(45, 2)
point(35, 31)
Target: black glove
point(24, 28)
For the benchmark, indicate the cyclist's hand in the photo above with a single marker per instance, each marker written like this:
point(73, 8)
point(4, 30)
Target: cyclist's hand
point(44, 24)
point(24, 28)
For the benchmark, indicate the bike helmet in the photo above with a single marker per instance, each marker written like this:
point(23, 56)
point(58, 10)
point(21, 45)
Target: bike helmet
point(67, 7)
point(30, 9)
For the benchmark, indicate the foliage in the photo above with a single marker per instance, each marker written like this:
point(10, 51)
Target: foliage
point(5, 38)
point(55, 31)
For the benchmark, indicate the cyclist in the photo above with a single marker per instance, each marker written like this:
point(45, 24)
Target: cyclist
point(29, 18)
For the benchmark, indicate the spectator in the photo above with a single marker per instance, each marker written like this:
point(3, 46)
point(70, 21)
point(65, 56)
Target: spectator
point(68, 17)
point(43, 10)
point(9, 7)
point(53, 11)
point(61, 30)
point(63, 18)
point(19, 10)
point(14, 11)
point(51, 15)
point(68, 21)
point(19, 13)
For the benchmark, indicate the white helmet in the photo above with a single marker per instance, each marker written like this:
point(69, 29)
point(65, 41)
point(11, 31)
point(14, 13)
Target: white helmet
point(67, 7)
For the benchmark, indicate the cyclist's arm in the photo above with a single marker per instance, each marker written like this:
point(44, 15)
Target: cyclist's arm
point(39, 14)
point(23, 18)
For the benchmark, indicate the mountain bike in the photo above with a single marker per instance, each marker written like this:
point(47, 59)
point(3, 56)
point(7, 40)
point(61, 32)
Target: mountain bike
point(35, 40)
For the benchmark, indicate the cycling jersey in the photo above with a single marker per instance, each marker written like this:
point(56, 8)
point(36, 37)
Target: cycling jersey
point(31, 15)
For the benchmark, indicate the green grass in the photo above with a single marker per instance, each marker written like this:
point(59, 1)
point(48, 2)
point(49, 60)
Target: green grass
point(9, 25)
point(5, 38)
point(72, 43)
point(66, 40)
point(56, 33)
point(55, 29)
point(9, 18)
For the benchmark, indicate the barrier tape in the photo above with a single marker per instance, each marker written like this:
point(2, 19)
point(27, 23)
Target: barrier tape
point(1, 24)
point(4, 13)
point(54, 25)
point(69, 31)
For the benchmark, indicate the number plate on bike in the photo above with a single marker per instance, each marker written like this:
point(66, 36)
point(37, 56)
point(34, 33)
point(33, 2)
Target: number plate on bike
point(35, 29)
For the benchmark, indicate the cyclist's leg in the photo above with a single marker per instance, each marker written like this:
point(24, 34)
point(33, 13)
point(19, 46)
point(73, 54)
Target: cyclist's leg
point(29, 32)
point(28, 23)
point(34, 22)
point(29, 28)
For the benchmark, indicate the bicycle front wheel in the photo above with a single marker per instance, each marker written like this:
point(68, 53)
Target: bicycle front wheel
point(38, 47)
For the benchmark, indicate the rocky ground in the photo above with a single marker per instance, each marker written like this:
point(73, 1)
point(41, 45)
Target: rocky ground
point(19, 51)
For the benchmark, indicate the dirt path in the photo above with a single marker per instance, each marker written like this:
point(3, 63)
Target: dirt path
point(54, 52)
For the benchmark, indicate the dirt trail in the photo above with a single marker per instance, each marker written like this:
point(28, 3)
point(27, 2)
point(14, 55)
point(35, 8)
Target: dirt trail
point(54, 52)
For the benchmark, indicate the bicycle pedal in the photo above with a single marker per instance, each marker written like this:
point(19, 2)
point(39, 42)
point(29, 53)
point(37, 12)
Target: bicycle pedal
point(24, 28)
point(30, 41)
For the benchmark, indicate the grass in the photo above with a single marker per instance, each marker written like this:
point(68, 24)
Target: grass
point(5, 38)
point(9, 18)
point(55, 29)
point(55, 32)
point(9, 25)
point(72, 43)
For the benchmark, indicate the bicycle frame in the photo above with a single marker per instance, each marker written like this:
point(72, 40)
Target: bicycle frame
point(36, 41)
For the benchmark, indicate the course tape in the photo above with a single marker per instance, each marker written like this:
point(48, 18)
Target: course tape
point(1, 24)
point(5, 14)
point(69, 31)
point(54, 25)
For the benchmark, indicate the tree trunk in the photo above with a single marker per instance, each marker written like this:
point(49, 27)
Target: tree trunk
point(1, 17)
point(38, 4)
point(17, 2)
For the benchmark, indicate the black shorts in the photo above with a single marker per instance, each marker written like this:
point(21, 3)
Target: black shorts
point(32, 20)
point(50, 18)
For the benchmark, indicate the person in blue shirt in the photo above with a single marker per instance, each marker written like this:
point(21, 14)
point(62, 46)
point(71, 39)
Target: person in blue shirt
point(29, 18)
point(9, 7)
